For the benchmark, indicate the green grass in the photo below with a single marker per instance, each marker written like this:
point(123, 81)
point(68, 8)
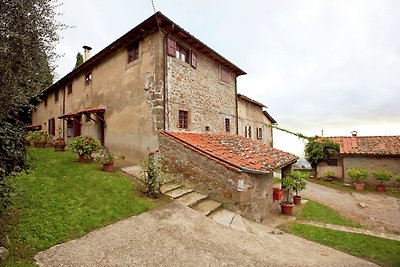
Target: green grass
point(60, 199)
point(315, 211)
point(379, 250)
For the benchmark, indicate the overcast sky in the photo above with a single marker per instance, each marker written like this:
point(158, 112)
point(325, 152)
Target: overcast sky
point(317, 65)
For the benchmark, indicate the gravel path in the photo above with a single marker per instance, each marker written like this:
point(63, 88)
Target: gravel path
point(176, 235)
point(369, 209)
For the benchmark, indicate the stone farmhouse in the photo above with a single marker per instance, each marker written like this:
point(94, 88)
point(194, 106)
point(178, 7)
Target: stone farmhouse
point(159, 88)
point(369, 152)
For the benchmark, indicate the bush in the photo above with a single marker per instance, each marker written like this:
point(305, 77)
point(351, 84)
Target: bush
point(153, 172)
point(330, 174)
point(382, 176)
point(299, 183)
point(40, 136)
point(84, 145)
point(357, 174)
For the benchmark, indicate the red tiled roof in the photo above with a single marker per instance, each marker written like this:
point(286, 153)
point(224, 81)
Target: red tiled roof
point(92, 110)
point(234, 151)
point(368, 145)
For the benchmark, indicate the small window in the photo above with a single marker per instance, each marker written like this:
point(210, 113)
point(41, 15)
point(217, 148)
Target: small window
point(56, 95)
point(183, 119)
point(207, 128)
point(227, 125)
point(332, 162)
point(88, 78)
point(225, 75)
point(45, 100)
point(133, 52)
point(69, 89)
point(247, 131)
point(182, 53)
point(259, 133)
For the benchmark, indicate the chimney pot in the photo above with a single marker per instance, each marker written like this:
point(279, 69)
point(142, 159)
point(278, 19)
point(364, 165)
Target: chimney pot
point(354, 133)
point(86, 52)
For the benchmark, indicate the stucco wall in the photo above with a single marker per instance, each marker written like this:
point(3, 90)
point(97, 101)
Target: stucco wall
point(371, 163)
point(219, 182)
point(201, 92)
point(323, 168)
point(130, 93)
point(252, 115)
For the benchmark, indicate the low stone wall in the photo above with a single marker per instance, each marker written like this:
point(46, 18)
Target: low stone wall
point(219, 182)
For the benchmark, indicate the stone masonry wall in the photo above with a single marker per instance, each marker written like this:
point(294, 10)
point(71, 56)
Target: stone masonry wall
point(219, 182)
point(391, 164)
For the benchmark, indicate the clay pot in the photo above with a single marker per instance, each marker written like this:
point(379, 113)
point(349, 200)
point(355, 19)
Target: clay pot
point(59, 144)
point(108, 167)
point(86, 159)
point(287, 208)
point(277, 193)
point(41, 144)
point(297, 200)
point(380, 188)
point(359, 186)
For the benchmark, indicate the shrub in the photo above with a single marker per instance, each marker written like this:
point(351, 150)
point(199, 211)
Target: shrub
point(382, 176)
point(299, 183)
point(357, 174)
point(153, 172)
point(397, 178)
point(40, 136)
point(84, 145)
point(330, 174)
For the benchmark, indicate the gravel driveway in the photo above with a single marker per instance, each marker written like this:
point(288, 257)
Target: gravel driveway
point(176, 235)
point(369, 209)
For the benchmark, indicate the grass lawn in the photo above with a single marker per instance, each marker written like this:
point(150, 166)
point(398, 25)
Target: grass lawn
point(60, 199)
point(379, 250)
point(315, 211)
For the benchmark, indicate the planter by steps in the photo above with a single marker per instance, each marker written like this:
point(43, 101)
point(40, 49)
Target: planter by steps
point(359, 186)
point(297, 200)
point(287, 208)
point(380, 188)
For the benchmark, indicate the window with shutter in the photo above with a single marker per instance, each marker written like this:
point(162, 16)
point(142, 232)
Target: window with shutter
point(193, 61)
point(56, 95)
point(133, 52)
point(182, 53)
point(171, 47)
point(225, 75)
point(70, 88)
point(259, 133)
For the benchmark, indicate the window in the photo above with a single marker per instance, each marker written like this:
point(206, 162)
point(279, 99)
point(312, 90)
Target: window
point(259, 133)
point(133, 52)
point(88, 78)
point(56, 95)
point(45, 100)
point(52, 126)
point(227, 125)
point(182, 53)
point(69, 89)
point(225, 75)
point(332, 162)
point(183, 119)
point(247, 131)
point(207, 128)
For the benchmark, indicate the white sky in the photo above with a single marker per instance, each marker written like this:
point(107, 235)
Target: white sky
point(317, 65)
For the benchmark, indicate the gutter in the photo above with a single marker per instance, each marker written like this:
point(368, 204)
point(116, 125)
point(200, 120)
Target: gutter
point(241, 169)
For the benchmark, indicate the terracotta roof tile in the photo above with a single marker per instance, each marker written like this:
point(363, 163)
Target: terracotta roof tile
point(368, 145)
point(237, 151)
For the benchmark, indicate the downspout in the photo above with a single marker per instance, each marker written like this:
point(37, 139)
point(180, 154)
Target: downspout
point(63, 112)
point(236, 104)
point(165, 102)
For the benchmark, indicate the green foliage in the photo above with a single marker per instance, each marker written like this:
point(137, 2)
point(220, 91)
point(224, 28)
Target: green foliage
point(153, 171)
point(330, 174)
point(397, 178)
point(79, 60)
point(28, 37)
point(320, 150)
point(287, 185)
point(315, 211)
point(84, 145)
point(299, 183)
point(357, 174)
point(382, 176)
point(376, 249)
point(40, 136)
point(60, 200)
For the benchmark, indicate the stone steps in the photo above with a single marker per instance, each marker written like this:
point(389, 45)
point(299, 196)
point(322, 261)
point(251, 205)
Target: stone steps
point(178, 192)
point(191, 199)
point(207, 206)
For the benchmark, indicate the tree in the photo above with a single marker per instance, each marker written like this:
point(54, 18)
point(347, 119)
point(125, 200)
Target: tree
point(318, 150)
point(79, 60)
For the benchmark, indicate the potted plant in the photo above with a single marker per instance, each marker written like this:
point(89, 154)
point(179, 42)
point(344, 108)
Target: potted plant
point(299, 184)
point(59, 143)
point(277, 193)
point(287, 185)
point(29, 139)
point(330, 175)
point(108, 161)
point(358, 175)
point(381, 176)
point(50, 141)
point(40, 138)
point(84, 146)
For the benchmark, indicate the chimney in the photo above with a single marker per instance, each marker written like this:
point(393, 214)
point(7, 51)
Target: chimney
point(354, 133)
point(86, 53)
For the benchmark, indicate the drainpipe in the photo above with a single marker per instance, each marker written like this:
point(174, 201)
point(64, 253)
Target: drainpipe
point(63, 112)
point(165, 102)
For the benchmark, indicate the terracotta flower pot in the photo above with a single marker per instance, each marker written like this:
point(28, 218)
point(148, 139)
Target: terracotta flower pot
point(277, 193)
point(287, 208)
point(380, 188)
point(41, 144)
point(85, 159)
point(359, 186)
point(59, 144)
point(297, 200)
point(108, 167)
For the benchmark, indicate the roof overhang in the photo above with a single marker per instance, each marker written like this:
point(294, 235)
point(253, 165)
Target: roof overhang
point(33, 127)
point(248, 99)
